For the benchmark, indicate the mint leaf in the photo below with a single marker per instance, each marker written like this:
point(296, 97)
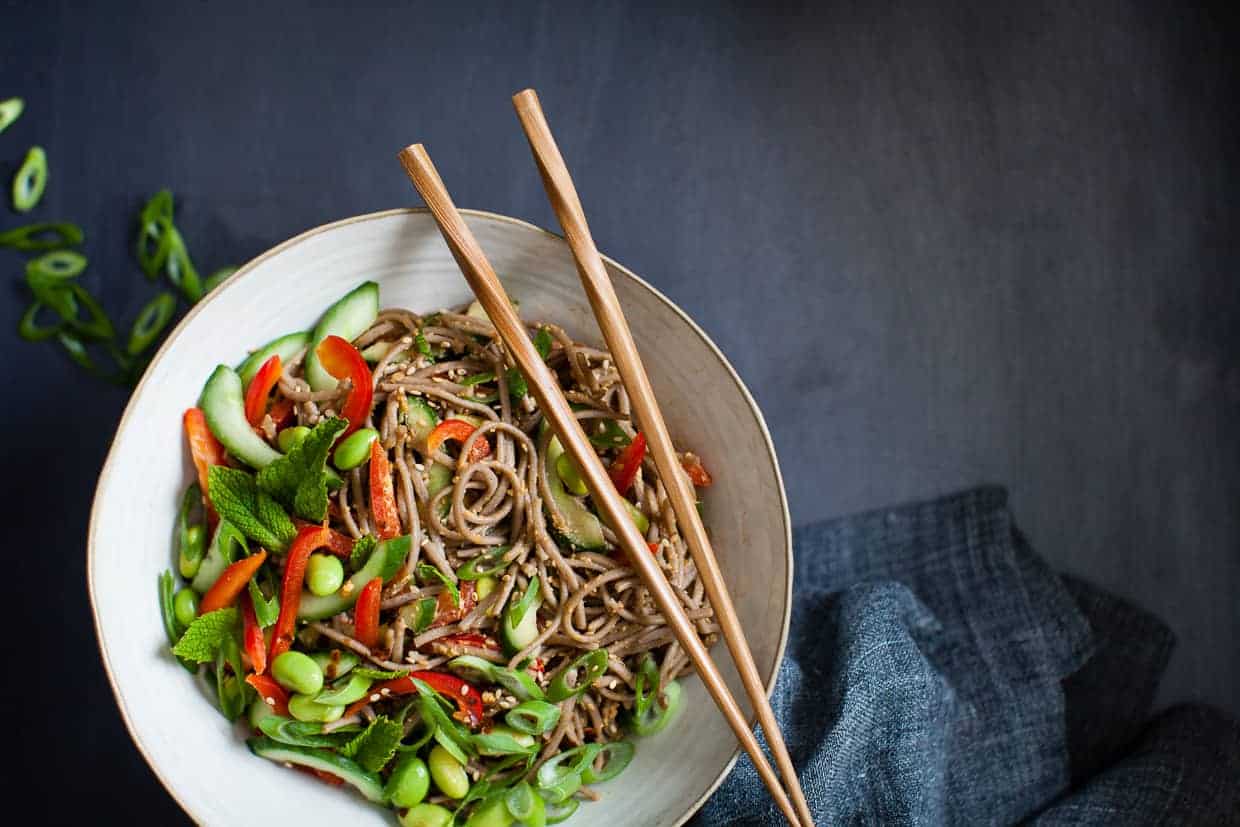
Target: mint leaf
point(299, 478)
point(374, 746)
point(542, 342)
point(379, 674)
point(236, 497)
point(362, 548)
point(517, 388)
point(428, 572)
point(205, 637)
point(265, 611)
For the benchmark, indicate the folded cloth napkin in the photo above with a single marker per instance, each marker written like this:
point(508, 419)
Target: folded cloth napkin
point(939, 672)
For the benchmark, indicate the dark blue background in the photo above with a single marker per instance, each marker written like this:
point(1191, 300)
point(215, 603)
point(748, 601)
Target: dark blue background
point(943, 243)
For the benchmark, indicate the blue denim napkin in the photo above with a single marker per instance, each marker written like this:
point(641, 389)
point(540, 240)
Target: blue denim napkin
point(939, 672)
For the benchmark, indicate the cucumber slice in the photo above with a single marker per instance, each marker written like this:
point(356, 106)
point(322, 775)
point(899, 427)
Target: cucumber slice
point(420, 417)
point(567, 469)
point(579, 526)
point(323, 760)
point(348, 318)
point(227, 546)
point(639, 519)
point(384, 562)
point(286, 346)
point(438, 477)
point(223, 404)
point(475, 310)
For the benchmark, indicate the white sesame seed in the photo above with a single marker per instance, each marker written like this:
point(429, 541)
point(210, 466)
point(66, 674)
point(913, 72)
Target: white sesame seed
point(465, 690)
point(374, 698)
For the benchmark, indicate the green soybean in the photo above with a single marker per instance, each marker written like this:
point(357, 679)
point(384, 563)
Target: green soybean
point(324, 574)
point(185, 606)
point(426, 815)
point(447, 773)
point(305, 708)
point(354, 449)
point(290, 438)
point(409, 782)
point(491, 813)
point(30, 180)
point(297, 672)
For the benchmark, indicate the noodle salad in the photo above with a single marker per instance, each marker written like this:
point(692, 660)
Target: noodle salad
point(390, 566)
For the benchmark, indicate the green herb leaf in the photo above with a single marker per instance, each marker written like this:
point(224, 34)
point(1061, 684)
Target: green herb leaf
point(607, 434)
point(236, 496)
point(423, 346)
point(300, 733)
point(362, 548)
point(205, 637)
point(517, 387)
point(477, 379)
point(375, 745)
point(379, 674)
point(542, 342)
point(299, 478)
point(429, 572)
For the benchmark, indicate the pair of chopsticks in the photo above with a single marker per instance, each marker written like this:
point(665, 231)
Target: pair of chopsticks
point(555, 408)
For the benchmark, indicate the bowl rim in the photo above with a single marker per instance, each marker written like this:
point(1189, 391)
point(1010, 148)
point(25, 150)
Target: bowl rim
point(244, 271)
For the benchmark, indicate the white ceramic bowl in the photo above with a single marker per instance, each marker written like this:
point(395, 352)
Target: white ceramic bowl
point(201, 759)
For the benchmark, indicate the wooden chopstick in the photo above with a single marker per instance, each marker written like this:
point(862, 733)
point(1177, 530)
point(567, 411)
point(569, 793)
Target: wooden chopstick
point(602, 295)
point(546, 390)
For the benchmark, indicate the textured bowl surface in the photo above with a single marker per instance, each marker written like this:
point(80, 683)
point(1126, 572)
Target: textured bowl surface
point(201, 759)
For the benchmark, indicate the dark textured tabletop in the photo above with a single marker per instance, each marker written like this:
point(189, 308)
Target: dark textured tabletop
point(943, 243)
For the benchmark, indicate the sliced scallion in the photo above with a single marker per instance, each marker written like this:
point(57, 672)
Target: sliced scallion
point(30, 329)
point(10, 110)
point(150, 322)
point(30, 180)
point(43, 236)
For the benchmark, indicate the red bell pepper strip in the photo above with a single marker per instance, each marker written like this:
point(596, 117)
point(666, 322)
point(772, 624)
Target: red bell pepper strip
point(466, 697)
point(337, 543)
point(232, 581)
point(366, 614)
point(252, 635)
point(308, 539)
point(698, 475)
point(343, 361)
point(446, 610)
point(325, 777)
point(205, 450)
point(654, 547)
point(624, 470)
point(281, 413)
point(260, 388)
point(382, 497)
point(271, 692)
point(459, 430)
point(452, 644)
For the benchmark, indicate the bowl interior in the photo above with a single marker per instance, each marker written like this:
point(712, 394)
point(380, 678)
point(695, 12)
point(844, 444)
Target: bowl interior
point(199, 758)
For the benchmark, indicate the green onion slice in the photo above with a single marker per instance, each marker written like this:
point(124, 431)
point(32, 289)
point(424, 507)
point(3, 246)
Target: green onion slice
point(558, 778)
point(43, 236)
point(592, 666)
point(657, 716)
point(217, 278)
point(616, 757)
point(428, 572)
point(76, 350)
point(520, 801)
point(151, 321)
point(189, 557)
point(531, 598)
point(499, 743)
point(10, 111)
point(153, 242)
point(558, 811)
point(533, 717)
point(56, 266)
point(30, 329)
point(519, 683)
point(484, 565)
point(97, 325)
point(178, 267)
point(645, 685)
point(30, 180)
point(166, 587)
point(476, 379)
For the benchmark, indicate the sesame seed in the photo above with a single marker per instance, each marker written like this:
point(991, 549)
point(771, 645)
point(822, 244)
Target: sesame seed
point(465, 690)
point(374, 698)
point(270, 701)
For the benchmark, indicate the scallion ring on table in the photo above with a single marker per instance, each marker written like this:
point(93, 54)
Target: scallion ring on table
point(42, 236)
point(10, 111)
point(30, 329)
point(30, 180)
point(56, 266)
point(151, 321)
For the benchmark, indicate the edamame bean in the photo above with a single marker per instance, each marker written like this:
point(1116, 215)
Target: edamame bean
point(290, 438)
point(324, 574)
point(408, 783)
point(185, 606)
point(354, 449)
point(305, 708)
point(191, 554)
point(447, 773)
point(297, 672)
point(484, 586)
point(493, 813)
point(426, 815)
